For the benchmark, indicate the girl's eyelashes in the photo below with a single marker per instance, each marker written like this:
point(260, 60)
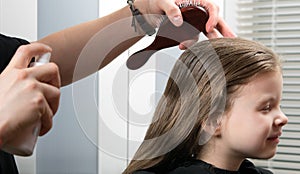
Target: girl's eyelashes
point(267, 108)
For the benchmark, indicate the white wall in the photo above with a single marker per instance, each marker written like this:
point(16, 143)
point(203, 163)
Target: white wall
point(112, 131)
point(123, 94)
point(71, 145)
point(19, 18)
point(230, 14)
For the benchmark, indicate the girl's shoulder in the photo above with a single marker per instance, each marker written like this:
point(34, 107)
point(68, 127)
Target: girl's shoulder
point(143, 172)
point(196, 166)
point(190, 167)
point(249, 167)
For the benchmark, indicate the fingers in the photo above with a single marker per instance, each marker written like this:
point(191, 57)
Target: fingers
point(214, 34)
point(225, 29)
point(37, 108)
point(221, 31)
point(213, 11)
point(215, 21)
point(47, 77)
point(50, 108)
point(44, 103)
point(185, 44)
point(25, 53)
point(52, 95)
point(48, 73)
point(48, 100)
point(49, 80)
point(172, 11)
point(46, 119)
point(215, 26)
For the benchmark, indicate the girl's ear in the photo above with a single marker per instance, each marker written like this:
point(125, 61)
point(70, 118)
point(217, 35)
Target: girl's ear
point(211, 128)
point(218, 130)
point(220, 123)
point(218, 126)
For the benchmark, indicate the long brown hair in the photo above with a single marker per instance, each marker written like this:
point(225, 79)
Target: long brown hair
point(201, 87)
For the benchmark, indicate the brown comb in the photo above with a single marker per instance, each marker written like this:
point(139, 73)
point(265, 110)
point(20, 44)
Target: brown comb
point(168, 35)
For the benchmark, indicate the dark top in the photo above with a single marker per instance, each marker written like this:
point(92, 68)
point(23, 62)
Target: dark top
point(198, 166)
point(8, 47)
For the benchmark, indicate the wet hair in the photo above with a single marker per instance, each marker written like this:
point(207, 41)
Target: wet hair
point(202, 86)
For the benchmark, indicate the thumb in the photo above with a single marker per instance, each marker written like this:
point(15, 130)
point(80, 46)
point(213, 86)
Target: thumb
point(25, 53)
point(172, 11)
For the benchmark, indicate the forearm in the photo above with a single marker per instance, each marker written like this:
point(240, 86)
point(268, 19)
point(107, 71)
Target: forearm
point(83, 49)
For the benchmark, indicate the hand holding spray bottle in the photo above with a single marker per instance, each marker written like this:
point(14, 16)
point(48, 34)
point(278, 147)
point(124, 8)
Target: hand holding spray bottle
point(24, 143)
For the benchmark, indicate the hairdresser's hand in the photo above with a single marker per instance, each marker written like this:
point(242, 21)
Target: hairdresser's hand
point(171, 9)
point(214, 34)
point(215, 26)
point(27, 95)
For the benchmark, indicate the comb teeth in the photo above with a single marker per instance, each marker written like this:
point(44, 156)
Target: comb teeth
point(187, 3)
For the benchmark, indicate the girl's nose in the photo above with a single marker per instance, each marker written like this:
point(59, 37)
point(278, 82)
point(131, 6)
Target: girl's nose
point(281, 119)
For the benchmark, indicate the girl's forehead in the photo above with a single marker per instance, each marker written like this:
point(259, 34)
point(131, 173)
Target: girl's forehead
point(270, 82)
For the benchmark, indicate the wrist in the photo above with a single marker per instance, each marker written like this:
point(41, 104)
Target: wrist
point(152, 14)
point(138, 19)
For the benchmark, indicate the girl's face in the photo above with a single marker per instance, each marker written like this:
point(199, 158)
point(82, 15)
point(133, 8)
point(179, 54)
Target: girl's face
point(252, 127)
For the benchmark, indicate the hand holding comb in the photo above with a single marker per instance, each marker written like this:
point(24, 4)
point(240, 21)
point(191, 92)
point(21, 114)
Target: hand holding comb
point(168, 35)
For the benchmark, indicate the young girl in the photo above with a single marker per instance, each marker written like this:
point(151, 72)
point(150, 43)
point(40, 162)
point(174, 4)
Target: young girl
point(221, 106)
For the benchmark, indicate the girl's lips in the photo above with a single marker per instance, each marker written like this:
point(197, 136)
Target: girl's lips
point(275, 137)
point(274, 140)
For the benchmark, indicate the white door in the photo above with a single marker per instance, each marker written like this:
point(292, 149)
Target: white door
point(19, 18)
point(123, 94)
point(127, 100)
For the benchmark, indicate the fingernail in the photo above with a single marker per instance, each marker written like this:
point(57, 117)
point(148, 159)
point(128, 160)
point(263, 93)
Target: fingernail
point(177, 20)
point(47, 47)
point(211, 29)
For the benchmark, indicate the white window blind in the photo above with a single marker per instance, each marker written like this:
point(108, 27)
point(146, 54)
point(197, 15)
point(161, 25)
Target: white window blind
point(276, 24)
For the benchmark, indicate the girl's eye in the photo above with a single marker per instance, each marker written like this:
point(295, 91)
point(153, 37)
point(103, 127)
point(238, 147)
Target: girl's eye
point(267, 108)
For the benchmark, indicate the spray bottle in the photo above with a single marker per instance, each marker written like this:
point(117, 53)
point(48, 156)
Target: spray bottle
point(24, 143)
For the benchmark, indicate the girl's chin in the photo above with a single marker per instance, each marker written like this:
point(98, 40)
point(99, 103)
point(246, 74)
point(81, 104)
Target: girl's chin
point(267, 156)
